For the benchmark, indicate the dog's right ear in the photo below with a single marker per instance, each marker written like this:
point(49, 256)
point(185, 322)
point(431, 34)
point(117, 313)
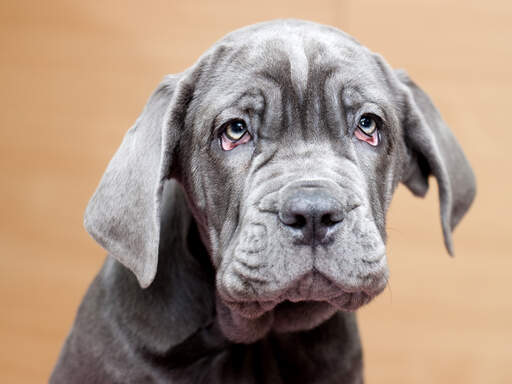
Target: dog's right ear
point(123, 215)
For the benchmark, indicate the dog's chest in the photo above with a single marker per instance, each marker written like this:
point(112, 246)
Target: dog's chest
point(263, 364)
point(330, 353)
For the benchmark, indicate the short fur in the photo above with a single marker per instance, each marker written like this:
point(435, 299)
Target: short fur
point(204, 282)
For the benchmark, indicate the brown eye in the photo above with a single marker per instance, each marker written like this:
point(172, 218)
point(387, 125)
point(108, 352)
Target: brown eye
point(367, 124)
point(234, 133)
point(235, 130)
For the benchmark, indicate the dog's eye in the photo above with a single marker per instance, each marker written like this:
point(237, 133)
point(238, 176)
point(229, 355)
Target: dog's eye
point(234, 133)
point(367, 124)
point(235, 130)
point(367, 129)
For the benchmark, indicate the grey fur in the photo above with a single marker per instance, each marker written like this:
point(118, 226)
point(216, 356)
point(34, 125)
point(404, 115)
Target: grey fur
point(232, 292)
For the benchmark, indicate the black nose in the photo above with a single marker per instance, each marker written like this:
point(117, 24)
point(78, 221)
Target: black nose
point(311, 213)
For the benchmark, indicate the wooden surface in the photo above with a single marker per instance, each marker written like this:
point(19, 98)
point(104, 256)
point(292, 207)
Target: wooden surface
point(74, 75)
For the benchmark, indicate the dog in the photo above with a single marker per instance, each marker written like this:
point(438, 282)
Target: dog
point(244, 213)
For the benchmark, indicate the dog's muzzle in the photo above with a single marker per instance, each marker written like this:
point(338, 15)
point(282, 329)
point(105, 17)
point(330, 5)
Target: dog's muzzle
point(301, 252)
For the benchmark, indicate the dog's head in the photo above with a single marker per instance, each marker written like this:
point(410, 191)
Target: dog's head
point(289, 139)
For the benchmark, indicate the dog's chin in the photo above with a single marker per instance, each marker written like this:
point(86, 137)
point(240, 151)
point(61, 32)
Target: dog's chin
point(301, 316)
point(247, 322)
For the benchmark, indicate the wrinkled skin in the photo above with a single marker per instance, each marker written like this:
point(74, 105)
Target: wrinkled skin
point(302, 110)
point(243, 262)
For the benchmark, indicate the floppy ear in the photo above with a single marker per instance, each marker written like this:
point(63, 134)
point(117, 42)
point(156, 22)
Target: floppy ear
point(433, 149)
point(123, 215)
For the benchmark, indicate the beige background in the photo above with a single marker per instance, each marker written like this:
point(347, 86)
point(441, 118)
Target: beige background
point(75, 75)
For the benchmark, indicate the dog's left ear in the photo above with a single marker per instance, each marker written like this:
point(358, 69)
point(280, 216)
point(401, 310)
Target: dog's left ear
point(123, 215)
point(432, 149)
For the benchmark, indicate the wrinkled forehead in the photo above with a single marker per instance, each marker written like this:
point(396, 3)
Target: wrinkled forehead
point(299, 60)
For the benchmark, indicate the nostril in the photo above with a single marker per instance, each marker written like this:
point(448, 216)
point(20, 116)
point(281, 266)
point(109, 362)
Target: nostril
point(298, 222)
point(329, 220)
point(332, 218)
point(293, 219)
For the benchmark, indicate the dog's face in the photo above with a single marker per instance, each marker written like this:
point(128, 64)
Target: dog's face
point(289, 139)
point(297, 151)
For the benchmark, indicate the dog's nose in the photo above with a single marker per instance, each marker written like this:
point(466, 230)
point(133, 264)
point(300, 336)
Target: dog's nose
point(311, 213)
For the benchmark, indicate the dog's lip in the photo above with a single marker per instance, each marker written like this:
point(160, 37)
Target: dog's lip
point(344, 301)
point(352, 301)
point(342, 296)
point(251, 309)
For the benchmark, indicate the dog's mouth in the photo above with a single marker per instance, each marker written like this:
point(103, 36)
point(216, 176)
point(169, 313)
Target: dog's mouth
point(346, 301)
point(314, 292)
point(291, 316)
point(307, 303)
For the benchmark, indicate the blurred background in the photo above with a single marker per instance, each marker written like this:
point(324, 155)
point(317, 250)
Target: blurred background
point(74, 75)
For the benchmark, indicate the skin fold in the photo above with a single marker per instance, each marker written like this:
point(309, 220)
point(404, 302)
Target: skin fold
point(244, 213)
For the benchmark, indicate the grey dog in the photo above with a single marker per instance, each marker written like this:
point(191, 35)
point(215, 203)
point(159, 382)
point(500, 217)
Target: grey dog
point(244, 213)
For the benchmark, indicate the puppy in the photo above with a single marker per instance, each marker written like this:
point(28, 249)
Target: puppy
point(244, 213)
